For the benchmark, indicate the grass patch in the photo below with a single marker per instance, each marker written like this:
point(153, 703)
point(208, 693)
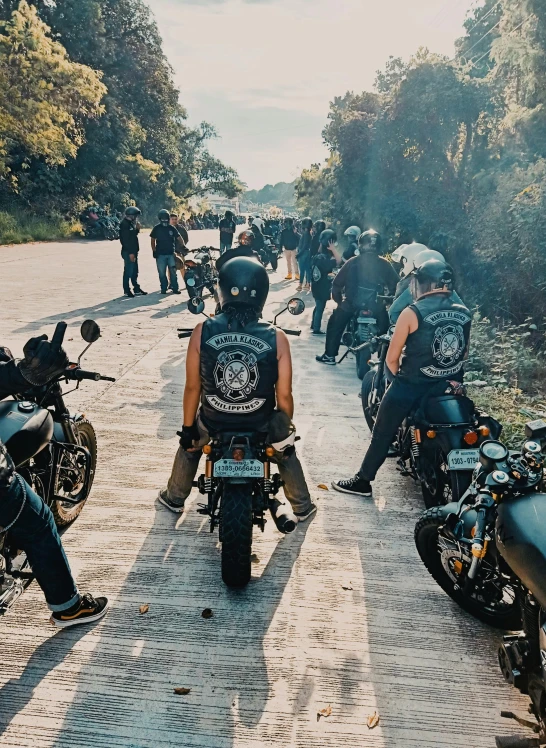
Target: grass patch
point(21, 228)
point(512, 407)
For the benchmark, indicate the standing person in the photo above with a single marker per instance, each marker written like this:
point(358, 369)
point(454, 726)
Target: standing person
point(303, 255)
point(227, 231)
point(165, 239)
point(129, 229)
point(178, 253)
point(318, 228)
point(351, 234)
point(289, 240)
point(323, 262)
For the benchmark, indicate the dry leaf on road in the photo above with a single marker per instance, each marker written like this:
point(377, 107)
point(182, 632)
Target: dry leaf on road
point(326, 712)
point(347, 586)
point(323, 486)
point(373, 720)
point(182, 691)
point(144, 609)
point(207, 613)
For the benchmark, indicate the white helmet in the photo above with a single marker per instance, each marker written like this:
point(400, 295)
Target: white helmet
point(353, 231)
point(425, 255)
point(406, 254)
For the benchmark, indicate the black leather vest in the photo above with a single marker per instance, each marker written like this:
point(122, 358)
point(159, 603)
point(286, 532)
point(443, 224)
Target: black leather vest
point(435, 351)
point(239, 370)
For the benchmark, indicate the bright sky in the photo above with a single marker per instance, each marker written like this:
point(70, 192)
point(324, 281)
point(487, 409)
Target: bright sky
point(264, 71)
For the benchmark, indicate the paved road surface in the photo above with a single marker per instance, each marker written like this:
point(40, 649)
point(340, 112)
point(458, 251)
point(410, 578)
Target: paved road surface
point(274, 654)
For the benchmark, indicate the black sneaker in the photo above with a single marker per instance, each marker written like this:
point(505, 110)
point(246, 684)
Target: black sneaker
point(318, 332)
point(355, 485)
point(302, 516)
point(163, 498)
point(177, 293)
point(324, 359)
point(88, 610)
point(130, 294)
point(163, 293)
point(140, 292)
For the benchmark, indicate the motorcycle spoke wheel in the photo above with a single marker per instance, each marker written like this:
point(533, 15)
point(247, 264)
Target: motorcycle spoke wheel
point(64, 512)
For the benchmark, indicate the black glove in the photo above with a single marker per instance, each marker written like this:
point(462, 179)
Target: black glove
point(42, 362)
point(188, 436)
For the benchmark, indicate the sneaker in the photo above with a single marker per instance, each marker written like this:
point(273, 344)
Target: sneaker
point(324, 359)
point(163, 293)
point(318, 332)
point(163, 498)
point(177, 292)
point(130, 294)
point(355, 485)
point(88, 610)
point(288, 277)
point(307, 287)
point(140, 292)
point(302, 516)
point(298, 288)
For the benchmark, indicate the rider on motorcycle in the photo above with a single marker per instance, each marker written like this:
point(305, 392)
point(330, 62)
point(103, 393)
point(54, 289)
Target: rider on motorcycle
point(245, 248)
point(352, 234)
point(359, 278)
point(435, 331)
point(30, 522)
point(265, 404)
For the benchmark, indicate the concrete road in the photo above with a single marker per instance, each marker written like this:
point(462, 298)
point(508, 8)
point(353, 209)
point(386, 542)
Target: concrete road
point(295, 641)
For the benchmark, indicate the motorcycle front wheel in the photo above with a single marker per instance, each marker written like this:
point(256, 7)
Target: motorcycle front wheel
point(494, 599)
point(64, 512)
point(236, 533)
point(362, 365)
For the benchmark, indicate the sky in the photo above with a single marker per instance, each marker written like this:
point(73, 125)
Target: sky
point(263, 72)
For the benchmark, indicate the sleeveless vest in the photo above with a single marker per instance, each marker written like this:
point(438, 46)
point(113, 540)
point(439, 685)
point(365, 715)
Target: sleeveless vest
point(239, 370)
point(435, 351)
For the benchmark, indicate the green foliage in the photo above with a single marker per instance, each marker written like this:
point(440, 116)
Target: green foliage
point(282, 194)
point(20, 228)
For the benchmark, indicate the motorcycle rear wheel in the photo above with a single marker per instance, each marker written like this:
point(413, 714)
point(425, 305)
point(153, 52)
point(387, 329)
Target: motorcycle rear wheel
point(507, 618)
point(367, 388)
point(236, 534)
point(362, 365)
point(64, 512)
point(440, 486)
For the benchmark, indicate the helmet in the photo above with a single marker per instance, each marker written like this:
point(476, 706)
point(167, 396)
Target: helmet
point(428, 254)
point(353, 232)
point(406, 254)
point(243, 280)
point(327, 236)
point(288, 221)
point(370, 240)
point(132, 211)
point(398, 252)
point(435, 274)
point(228, 214)
point(307, 223)
point(164, 216)
point(245, 238)
point(319, 227)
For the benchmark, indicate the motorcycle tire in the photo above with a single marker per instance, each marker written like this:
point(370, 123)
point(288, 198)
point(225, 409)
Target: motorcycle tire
point(274, 262)
point(64, 512)
point(367, 387)
point(236, 533)
point(362, 365)
point(426, 540)
point(440, 487)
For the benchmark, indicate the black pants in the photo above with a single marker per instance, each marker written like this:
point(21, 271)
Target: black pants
point(338, 322)
point(400, 399)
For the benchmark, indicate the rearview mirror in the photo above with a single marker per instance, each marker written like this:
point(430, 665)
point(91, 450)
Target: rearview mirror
point(196, 305)
point(90, 331)
point(296, 306)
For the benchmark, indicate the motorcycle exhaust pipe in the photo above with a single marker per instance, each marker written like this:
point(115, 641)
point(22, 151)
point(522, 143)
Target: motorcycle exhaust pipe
point(283, 516)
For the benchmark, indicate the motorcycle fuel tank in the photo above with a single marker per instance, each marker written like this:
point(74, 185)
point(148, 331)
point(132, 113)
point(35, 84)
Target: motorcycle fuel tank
point(25, 429)
point(521, 540)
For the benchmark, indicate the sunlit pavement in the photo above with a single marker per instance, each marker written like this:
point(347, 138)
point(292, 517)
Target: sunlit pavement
point(340, 614)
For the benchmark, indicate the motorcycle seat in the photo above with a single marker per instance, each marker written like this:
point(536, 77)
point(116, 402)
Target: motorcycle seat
point(446, 409)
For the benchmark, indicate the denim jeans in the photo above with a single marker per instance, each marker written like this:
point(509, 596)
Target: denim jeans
point(163, 262)
point(130, 272)
point(304, 264)
point(318, 311)
point(35, 533)
point(225, 244)
point(295, 486)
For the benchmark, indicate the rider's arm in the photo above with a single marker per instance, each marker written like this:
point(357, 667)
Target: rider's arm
point(407, 323)
point(337, 254)
point(285, 401)
point(192, 389)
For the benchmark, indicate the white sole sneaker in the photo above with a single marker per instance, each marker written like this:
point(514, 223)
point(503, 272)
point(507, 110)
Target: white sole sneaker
point(165, 501)
point(79, 621)
point(305, 515)
point(339, 488)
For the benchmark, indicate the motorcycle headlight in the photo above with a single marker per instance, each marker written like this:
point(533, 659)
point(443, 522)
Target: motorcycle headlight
point(190, 282)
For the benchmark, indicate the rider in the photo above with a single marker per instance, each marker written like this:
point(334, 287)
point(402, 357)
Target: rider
point(435, 331)
point(227, 230)
point(356, 282)
point(323, 262)
point(244, 249)
point(289, 240)
point(129, 229)
point(265, 404)
point(29, 521)
point(352, 234)
point(165, 239)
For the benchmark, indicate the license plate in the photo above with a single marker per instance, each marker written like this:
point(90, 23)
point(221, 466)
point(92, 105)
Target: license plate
point(366, 321)
point(238, 469)
point(463, 459)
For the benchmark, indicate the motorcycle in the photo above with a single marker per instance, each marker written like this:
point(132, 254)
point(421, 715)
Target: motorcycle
point(438, 444)
point(361, 329)
point(488, 553)
point(238, 483)
point(99, 225)
point(269, 253)
point(53, 450)
point(200, 272)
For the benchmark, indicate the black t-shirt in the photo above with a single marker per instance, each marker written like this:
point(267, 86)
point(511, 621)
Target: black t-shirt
point(321, 265)
point(227, 227)
point(128, 235)
point(166, 238)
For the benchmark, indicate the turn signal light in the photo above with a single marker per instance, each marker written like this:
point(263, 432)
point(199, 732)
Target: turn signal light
point(484, 430)
point(431, 434)
point(238, 454)
point(471, 437)
point(207, 449)
point(270, 452)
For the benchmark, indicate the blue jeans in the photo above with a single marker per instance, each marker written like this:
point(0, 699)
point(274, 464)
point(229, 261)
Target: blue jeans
point(35, 532)
point(130, 272)
point(304, 264)
point(318, 311)
point(225, 244)
point(163, 262)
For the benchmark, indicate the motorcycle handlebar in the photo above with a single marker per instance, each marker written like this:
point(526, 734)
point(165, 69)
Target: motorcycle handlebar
point(291, 332)
point(80, 374)
point(58, 335)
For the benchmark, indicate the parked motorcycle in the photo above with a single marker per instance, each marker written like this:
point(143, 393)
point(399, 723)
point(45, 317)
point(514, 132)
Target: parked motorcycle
point(200, 272)
point(53, 450)
point(238, 483)
point(488, 553)
point(99, 225)
point(269, 253)
point(361, 329)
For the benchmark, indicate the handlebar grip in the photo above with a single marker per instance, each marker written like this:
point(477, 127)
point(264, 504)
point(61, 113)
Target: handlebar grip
point(58, 335)
point(108, 379)
point(185, 334)
point(291, 332)
point(93, 375)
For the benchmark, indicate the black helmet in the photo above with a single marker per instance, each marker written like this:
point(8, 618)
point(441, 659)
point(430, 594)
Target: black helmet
point(327, 237)
point(228, 214)
point(435, 274)
point(370, 240)
point(164, 216)
point(319, 227)
point(243, 280)
point(288, 221)
point(132, 211)
point(307, 223)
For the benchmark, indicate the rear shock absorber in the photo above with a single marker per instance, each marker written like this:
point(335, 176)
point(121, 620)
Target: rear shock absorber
point(415, 440)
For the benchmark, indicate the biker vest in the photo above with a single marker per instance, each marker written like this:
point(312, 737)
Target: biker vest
point(435, 351)
point(239, 370)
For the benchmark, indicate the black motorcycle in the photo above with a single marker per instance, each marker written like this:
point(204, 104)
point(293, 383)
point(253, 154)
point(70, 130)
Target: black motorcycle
point(98, 224)
point(362, 329)
point(53, 450)
point(200, 273)
point(438, 444)
point(238, 483)
point(488, 552)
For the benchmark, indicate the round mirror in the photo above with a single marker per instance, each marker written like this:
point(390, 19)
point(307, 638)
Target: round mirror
point(296, 306)
point(90, 331)
point(196, 305)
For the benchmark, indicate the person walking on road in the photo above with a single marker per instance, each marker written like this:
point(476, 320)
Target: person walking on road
point(227, 231)
point(178, 253)
point(165, 239)
point(129, 229)
point(303, 255)
point(323, 262)
point(289, 241)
